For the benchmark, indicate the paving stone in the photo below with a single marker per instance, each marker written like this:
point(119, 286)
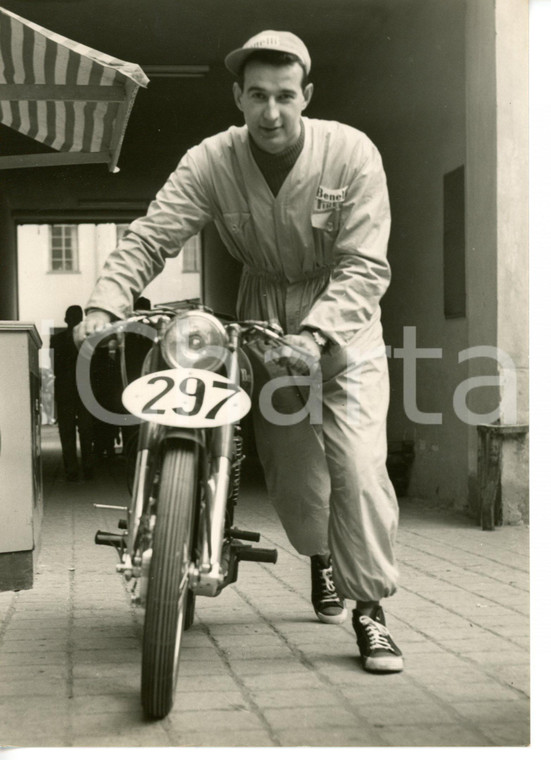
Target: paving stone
point(296, 679)
point(129, 703)
point(195, 684)
point(83, 687)
point(434, 662)
point(435, 735)
point(245, 640)
point(279, 652)
point(109, 722)
point(266, 667)
point(36, 622)
point(413, 648)
point(516, 676)
point(309, 717)
point(34, 608)
point(108, 655)
point(217, 720)
point(97, 669)
point(51, 644)
point(384, 691)
point(339, 737)
point(347, 662)
point(36, 633)
point(30, 672)
point(233, 628)
point(24, 709)
point(226, 739)
point(212, 666)
point(102, 631)
point(35, 686)
point(356, 676)
point(200, 641)
point(507, 658)
point(382, 715)
point(35, 657)
point(209, 700)
point(145, 735)
point(478, 691)
point(508, 734)
point(328, 636)
point(296, 697)
point(108, 615)
point(116, 643)
point(484, 712)
point(467, 674)
point(485, 641)
point(25, 738)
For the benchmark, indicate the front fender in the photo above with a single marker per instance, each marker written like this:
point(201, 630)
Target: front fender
point(185, 434)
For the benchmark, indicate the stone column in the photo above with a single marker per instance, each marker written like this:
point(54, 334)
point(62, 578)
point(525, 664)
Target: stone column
point(497, 232)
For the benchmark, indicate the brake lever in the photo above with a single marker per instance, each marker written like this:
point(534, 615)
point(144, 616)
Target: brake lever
point(270, 332)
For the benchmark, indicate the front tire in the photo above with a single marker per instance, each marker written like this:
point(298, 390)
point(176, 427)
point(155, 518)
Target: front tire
point(168, 594)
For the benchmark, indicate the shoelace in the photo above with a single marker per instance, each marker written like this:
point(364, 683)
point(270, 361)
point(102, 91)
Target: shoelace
point(378, 635)
point(329, 592)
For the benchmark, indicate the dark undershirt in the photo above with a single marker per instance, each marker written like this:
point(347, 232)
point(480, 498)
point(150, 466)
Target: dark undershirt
point(276, 166)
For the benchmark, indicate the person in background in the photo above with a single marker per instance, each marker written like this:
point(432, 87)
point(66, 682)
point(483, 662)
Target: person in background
point(47, 396)
point(106, 385)
point(71, 412)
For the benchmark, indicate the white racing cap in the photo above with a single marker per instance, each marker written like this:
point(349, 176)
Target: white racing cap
point(285, 42)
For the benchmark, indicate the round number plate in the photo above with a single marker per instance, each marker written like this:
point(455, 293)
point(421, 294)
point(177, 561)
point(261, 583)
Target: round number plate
point(186, 398)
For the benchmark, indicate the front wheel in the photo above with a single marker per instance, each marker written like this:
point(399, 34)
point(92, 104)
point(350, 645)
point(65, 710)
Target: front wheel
point(168, 594)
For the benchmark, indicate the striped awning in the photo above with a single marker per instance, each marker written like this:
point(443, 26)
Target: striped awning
point(63, 94)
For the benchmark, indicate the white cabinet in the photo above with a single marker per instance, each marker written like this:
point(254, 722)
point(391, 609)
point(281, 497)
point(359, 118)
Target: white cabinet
point(20, 462)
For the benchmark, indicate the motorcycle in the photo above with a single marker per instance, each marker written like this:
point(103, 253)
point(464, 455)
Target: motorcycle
point(179, 540)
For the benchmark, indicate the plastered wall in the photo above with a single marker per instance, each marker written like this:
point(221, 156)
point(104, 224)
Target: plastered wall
point(407, 93)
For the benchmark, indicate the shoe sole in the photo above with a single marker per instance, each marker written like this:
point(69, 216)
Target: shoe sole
point(383, 664)
point(332, 619)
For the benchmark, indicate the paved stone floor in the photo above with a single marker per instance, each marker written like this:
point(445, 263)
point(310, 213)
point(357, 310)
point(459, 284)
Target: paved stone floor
point(257, 668)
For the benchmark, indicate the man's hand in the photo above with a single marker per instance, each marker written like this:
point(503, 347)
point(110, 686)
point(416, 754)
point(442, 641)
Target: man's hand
point(306, 354)
point(95, 321)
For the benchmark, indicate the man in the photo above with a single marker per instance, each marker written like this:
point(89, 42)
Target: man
point(303, 205)
point(71, 412)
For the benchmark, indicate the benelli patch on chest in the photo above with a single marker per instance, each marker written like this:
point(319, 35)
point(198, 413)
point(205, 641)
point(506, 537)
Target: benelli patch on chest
point(327, 197)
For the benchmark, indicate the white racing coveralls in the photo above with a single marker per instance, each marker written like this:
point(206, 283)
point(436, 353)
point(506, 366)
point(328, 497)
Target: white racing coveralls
point(314, 256)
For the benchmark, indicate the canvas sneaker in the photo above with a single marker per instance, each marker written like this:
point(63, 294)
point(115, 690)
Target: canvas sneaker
point(378, 651)
point(328, 605)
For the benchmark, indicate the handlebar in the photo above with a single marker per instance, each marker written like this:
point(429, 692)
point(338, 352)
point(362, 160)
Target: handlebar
point(165, 313)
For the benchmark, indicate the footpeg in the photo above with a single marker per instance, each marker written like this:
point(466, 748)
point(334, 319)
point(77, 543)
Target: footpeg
point(244, 535)
point(253, 554)
point(105, 538)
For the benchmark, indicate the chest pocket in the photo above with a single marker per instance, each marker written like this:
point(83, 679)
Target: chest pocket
point(327, 221)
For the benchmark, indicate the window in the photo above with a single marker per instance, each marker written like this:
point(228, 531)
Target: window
point(63, 248)
point(191, 255)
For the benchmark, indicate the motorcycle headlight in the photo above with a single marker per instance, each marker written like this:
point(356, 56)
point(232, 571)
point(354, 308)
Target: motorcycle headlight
point(196, 339)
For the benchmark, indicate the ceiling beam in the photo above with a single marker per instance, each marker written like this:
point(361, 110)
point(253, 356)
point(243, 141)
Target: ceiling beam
point(175, 70)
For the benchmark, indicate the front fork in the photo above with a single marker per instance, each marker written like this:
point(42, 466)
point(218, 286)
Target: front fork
point(208, 573)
